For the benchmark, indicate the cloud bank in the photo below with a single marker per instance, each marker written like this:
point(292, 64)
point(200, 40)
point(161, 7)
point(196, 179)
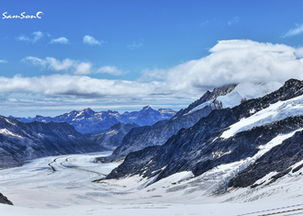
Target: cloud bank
point(236, 61)
point(230, 61)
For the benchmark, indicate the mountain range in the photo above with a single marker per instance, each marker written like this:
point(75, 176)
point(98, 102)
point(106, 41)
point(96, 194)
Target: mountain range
point(252, 144)
point(88, 121)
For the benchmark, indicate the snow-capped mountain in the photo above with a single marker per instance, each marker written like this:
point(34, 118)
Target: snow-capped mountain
point(88, 121)
point(252, 144)
point(25, 141)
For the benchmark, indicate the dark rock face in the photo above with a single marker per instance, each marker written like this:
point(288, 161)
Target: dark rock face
point(157, 134)
point(112, 138)
point(4, 200)
point(279, 159)
point(176, 155)
point(206, 97)
point(88, 121)
point(24, 141)
point(200, 148)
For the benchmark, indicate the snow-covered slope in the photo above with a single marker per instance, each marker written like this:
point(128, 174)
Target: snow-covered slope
point(275, 112)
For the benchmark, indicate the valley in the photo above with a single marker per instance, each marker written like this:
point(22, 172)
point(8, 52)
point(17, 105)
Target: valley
point(63, 185)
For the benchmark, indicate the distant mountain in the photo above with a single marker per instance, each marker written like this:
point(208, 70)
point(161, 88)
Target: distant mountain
point(250, 145)
point(146, 116)
point(88, 121)
point(157, 134)
point(112, 138)
point(25, 141)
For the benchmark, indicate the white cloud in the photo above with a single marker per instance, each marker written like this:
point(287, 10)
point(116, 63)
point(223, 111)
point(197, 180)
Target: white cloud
point(54, 64)
point(70, 65)
point(60, 40)
point(299, 52)
point(294, 31)
point(112, 70)
point(3, 61)
point(34, 37)
point(83, 68)
point(23, 38)
point(90, 40)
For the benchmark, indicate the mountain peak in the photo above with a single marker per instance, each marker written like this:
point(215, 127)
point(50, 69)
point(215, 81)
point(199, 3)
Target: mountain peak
point(148, 107)
point(88, 110)
point(293, 82)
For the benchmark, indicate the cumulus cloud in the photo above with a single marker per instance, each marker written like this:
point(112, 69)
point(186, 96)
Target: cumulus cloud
point(60, 40)
point(54, 64)
point(111, 70)
point(83, 68)
point(234, 61)
point(294, 31)
point(3, 61)
point(34, 37)
point(90, 40)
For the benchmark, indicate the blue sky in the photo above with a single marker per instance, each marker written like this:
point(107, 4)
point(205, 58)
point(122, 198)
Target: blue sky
point(126, 40)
